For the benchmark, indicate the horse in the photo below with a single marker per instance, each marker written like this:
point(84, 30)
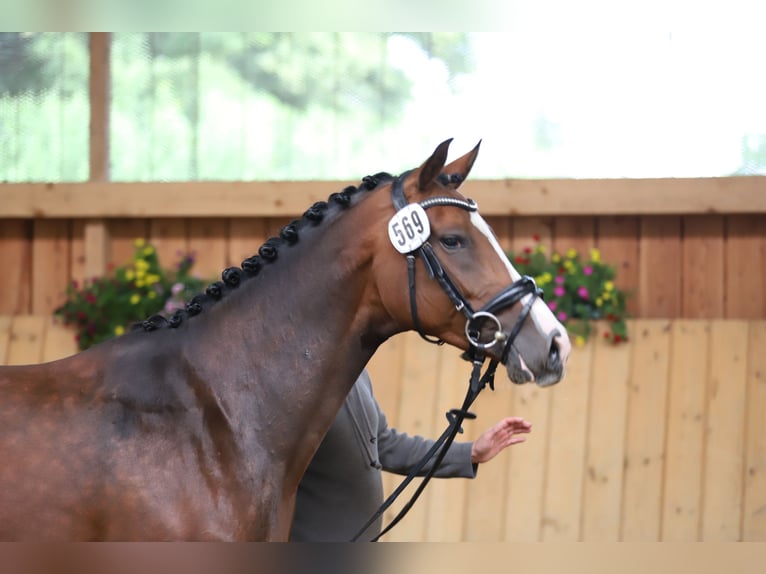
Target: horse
point(199, 426)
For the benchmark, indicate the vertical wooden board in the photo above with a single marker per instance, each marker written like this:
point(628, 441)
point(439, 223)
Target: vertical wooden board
point(169, 236)
point(123, 234)
point(5, 337)
point(16, 263)
point(725, 432)
point(77, 242)
point(526, 466)
point(562, 499)
point(59, 341)
point(618, 243)
point(659, 285)
point(246, 235)
point(50, 264)
point(754, 507)
point(605, 450)
point(578, 233)
point(419, 377)
point(703, 267)
point(485, 513)
point(96, 247)
point(690, 348)
point(645, 438)
point(446, 513)
point(26, 342)
point(745, 266)
point(529, 231)
point(503, 228)
point(207, 241)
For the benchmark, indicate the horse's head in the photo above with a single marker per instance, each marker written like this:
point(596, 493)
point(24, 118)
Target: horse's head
point(463, 289)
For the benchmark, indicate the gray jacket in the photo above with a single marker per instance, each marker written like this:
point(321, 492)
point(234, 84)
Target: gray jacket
point(343, 486)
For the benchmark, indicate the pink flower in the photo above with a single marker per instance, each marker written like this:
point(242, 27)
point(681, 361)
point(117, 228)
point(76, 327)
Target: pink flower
point(582, 292)
point(562, 316)
point(559, 279)
point(552, 305)
point(588, 270)
point(558, 291)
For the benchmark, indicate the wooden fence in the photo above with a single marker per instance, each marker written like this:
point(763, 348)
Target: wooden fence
point(662, 438)
point(686, 248)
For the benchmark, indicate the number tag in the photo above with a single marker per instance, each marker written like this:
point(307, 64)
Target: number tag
point(409, 228)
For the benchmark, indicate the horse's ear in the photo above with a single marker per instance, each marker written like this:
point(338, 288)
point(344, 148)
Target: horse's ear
point(462, 165)
point(432, 167)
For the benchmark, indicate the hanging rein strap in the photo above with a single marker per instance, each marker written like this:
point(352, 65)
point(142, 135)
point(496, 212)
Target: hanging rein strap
point(441, 445)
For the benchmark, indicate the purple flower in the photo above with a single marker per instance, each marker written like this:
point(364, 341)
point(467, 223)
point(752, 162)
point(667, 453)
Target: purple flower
point(562, 316)
point(582, 291)
point(558, 291)
point(588, 270)
point(559, 279)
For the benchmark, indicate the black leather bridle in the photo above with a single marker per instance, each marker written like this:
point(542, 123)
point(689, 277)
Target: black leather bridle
point(506, 298)
point(476, 353)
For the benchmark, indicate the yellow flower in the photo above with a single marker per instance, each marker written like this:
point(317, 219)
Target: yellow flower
point(572, 253)
point(569, 266)
point(135, 298)
point(555, 257)
point(608, 286)
point(152, 278)
point(141, 265)
point(140, 282)
point(119, 330)
point(606, 295)
point(540, 249)
point(595, 255)
point(579, 340)
point(129, 275)
point(543, 279)
point(139, 243)
point(147, 251)
point(152, 295)
point(599, 301)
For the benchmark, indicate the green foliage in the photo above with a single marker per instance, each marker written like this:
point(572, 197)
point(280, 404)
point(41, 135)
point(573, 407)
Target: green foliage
point(578, 290)
point(106, 306)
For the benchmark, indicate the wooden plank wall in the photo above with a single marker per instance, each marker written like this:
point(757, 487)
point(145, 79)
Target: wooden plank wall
point(691, 266)
point(659, 439)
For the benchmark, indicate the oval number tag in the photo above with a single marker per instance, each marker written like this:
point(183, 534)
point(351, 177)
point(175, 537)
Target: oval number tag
point(409, 228)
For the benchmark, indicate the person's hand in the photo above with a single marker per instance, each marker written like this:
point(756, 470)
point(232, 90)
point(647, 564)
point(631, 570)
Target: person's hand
point(508, 431)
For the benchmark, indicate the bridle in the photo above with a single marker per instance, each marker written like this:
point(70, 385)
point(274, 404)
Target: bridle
point(476, 352)
point(506, 298)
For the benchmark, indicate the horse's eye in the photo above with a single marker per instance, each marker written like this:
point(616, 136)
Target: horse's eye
point(452, 242)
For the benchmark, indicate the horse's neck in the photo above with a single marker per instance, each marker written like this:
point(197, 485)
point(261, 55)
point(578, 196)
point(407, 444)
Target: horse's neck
point(289, 345)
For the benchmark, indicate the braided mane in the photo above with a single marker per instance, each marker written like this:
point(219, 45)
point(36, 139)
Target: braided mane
point(232, 277)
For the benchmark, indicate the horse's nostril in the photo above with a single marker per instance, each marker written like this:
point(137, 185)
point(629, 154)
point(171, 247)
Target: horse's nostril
point(554, 355)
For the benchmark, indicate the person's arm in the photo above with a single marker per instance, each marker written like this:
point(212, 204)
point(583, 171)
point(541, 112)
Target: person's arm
point(399, 452)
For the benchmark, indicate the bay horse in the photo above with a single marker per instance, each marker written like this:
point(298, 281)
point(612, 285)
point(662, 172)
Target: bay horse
point(200, 426)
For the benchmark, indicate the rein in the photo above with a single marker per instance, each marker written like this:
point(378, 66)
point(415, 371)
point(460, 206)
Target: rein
point(476, 353)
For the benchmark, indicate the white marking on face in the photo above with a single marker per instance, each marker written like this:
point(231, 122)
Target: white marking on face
point(541, 315)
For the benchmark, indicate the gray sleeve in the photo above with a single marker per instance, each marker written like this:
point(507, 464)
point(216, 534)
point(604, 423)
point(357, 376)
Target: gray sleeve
point(400, 452)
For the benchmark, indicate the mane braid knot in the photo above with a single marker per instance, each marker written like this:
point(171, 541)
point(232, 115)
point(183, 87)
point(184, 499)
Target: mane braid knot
point(194, 307)
point(252, 265)
point(289, 233)
point(268, 252)
point(176, 319)
point(232, 276)
point(154, 322)
point(215, 290)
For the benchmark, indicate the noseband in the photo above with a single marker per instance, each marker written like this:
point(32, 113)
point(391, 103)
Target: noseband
point(474, 319)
